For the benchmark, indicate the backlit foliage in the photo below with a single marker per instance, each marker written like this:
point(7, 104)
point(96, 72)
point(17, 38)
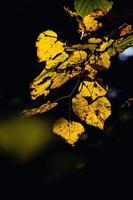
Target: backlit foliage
point(63, 61)
point(70, 131)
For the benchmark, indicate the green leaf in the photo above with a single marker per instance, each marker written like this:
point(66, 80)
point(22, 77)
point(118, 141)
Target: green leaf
point(85, 7)
point(122, 44)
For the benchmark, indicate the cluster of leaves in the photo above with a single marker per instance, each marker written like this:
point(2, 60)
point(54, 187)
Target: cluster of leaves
point(83, 61)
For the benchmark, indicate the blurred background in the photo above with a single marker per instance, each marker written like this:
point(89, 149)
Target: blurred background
point(29, 152)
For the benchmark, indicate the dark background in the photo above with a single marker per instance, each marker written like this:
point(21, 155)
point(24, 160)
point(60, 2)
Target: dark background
point(108, 157)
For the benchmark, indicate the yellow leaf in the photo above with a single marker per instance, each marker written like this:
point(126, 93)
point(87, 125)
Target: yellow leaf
point(93, 114)
point(105, 45)
point(91, 72)
point(60, 78)
point(40, 89)
point(91, 89)
point(76, 57)
point(80, 107)
point(50, 64)
point(89, 24)
point(43, 108)
point(94, 40)
point(48, 46)
point(47, 81)
point(111, 51)
point(70, 131)
point(102, 60)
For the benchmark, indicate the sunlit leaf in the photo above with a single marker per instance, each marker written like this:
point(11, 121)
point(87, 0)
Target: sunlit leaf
point(70, 131)
point(91, 72)
point(48, 46)
point(43, 108)
point(105, 45)
point(51, 64)
point(48, 80)
point(102, 60)
point(93, 114)
point(40, 89)
point(76, 57)
point(91, 89)
point(89, 24)
point(94, 40)
point(64, 61)
point(60, 78)
point(111, 51)
point(85, 7)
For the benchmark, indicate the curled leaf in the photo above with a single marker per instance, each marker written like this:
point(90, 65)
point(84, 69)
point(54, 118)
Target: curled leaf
point(43, 108)
point(70, 131)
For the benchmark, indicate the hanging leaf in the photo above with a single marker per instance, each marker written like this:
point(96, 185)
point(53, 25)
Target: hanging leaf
point(48, 46)
point(89, 23)
point(70, 131)
point(91, 89)
point(85, 7)
point(105, 45)
point(64, 61)
point(55, 77)
point(76, 57)
point(43, 108)
point(93, 114)
point(91, 72)
point(102, 60)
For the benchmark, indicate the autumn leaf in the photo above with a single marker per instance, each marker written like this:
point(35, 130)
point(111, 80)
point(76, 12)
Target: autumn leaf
point(52, 63)
point(40, 89)
point(54, 78)
point(90, 71)
point(70, 131)
point(48, 46)
point(88, 25)
point(102, 60)
point(94, 40)
point(77, 57)
point(43, 108)
point(93, 114)
point(63, 61)
point(91, 89)
point(105, 45)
